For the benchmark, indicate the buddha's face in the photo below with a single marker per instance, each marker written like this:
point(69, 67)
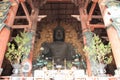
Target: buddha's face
point(58, 35)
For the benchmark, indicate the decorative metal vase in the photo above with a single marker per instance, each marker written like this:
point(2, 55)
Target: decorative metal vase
point(117, 72)
point(16, 72)
point(16, 68)
point(101, 70)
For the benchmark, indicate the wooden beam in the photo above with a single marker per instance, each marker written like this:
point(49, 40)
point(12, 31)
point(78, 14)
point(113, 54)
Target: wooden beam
point(86, 4)
point(77, 17)
point(38, 18)
point(93, 26)
point(20, 26)
point(22, 0)
point(95, 1)
point(20, 17)
point(97, 25)
point(93, 16)
point(91, 11)
point(30, 2)
point(26, 13)
point(97, 16)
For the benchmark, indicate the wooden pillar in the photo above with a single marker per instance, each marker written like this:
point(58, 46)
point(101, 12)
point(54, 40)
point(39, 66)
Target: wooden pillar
point(5, 33)
point(115, 44)
point(34, 18)
point(112, 33)
point(4, 37)
point(83, 17)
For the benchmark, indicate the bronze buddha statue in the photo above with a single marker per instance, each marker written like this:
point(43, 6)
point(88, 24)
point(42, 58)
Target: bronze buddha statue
point(58, 49)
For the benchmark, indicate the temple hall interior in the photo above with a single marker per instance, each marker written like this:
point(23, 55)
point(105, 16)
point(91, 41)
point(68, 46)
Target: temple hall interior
point(59, 39)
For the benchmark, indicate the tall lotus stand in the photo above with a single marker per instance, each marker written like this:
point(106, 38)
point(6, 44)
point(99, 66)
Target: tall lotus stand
point(16, 72)
point(1, 69)
point(65, 63)
point(53, 64)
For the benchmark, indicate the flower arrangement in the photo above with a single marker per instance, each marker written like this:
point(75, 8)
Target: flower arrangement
point(98, 51)
point(20, 49)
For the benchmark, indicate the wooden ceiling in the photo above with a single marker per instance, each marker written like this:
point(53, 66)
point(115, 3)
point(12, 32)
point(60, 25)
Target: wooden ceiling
point(61, 10)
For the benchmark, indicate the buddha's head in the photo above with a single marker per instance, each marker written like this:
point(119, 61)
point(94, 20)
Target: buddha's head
point(58, 34)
